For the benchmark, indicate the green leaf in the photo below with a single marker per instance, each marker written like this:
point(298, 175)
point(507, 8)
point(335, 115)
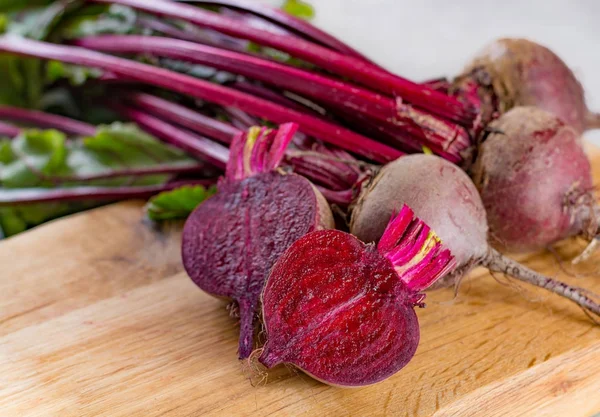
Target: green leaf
point(38, 22)
point(22, 82)
point(299, 9)
point(16, 5)
point(93, 20)
point(76, 75)
point(39, 158)
point(178, 203)
point(10, 222)
point(35, 154)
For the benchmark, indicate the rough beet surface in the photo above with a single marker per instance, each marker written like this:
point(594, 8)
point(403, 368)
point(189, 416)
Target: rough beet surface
point(342, 310)
point(439, 192)
point(523, 73)
point(535, 181)
point(231, 241)
point(447, 200)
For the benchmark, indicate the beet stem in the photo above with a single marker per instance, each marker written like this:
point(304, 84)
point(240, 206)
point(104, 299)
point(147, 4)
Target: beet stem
point(184, 116)
point(289, 22)
point(496, 262)
point(6, 129)
point(418, 126)
point(328, 132)
point(198, 146)
point(305, 163)
point(361, 71)
point(133, 172)
point(45, 120)
point(10, 197)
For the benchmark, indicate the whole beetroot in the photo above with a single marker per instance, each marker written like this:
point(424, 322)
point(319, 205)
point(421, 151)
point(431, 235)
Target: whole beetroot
point(343, 311)
point(518, 72)
point(535, 181)
point(231, 241)
point(446, 199)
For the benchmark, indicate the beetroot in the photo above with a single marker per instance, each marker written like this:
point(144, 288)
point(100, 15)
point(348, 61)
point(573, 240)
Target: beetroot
point(231, 241)
point(447, 200)
point(343, 311)
point(535, 181)
point(518, 72)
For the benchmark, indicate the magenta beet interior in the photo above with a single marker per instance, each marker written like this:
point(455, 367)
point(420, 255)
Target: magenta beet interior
point(231, 241)
point(337, 309)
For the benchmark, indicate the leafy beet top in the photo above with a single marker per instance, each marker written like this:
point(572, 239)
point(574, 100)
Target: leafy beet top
point(231, 241)
point(342, 310)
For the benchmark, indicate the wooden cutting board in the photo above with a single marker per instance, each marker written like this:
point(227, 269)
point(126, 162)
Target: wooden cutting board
point(98, 319)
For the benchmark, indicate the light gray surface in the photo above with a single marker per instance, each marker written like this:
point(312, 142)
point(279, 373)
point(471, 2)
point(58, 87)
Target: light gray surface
point(422, 39)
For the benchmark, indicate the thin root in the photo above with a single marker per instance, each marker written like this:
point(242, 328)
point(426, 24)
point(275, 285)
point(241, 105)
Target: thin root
point(495, 261)
point(255, 371)
point(587, 252)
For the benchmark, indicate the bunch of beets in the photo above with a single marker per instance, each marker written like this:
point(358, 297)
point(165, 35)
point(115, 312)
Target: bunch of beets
point(427, 181)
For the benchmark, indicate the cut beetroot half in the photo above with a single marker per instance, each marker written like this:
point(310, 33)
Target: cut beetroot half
point(231, 241)
point(342, 310)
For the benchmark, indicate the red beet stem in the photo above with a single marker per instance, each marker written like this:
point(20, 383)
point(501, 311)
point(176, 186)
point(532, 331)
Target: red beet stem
point(9, 130)
point(181, 115)
point(45, 120)
point(363, 72)
point(289, 22)
point(339, 177)
point(213, 38)
point(9, 197)
point(434, 132)
point(195, 145)
point(134, 172)
point(414, 249)
point(300, 81)
point(197, 88)
point(342, 198)
point(268, 94)
point(321, 165)
point(497, 262)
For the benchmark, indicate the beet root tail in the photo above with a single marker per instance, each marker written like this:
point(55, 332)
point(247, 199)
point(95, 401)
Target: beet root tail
point(590, 249)
point(247, 313)
point(496, 262)
point(592, 121)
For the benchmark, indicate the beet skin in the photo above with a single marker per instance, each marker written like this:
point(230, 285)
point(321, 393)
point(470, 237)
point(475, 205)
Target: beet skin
point(535, 181)
point(231, 241)
point(447, 200)
point(518, 72)
point(439, 192)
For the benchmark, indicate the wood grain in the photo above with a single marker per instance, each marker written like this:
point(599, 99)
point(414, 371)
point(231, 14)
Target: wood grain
point(96, 319)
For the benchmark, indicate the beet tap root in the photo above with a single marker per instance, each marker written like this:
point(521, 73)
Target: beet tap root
point(342, 310)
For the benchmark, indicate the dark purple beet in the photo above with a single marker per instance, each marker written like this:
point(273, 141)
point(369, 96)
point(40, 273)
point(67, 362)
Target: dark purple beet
point(446, 199)
point(535, 181)
point(231, 241)
point(518, 72)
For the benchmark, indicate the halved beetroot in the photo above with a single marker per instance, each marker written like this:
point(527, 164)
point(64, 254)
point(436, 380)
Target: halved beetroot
point(342, 310)
point(231, 241)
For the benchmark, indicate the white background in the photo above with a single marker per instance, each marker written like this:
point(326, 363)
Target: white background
point(425, 39)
